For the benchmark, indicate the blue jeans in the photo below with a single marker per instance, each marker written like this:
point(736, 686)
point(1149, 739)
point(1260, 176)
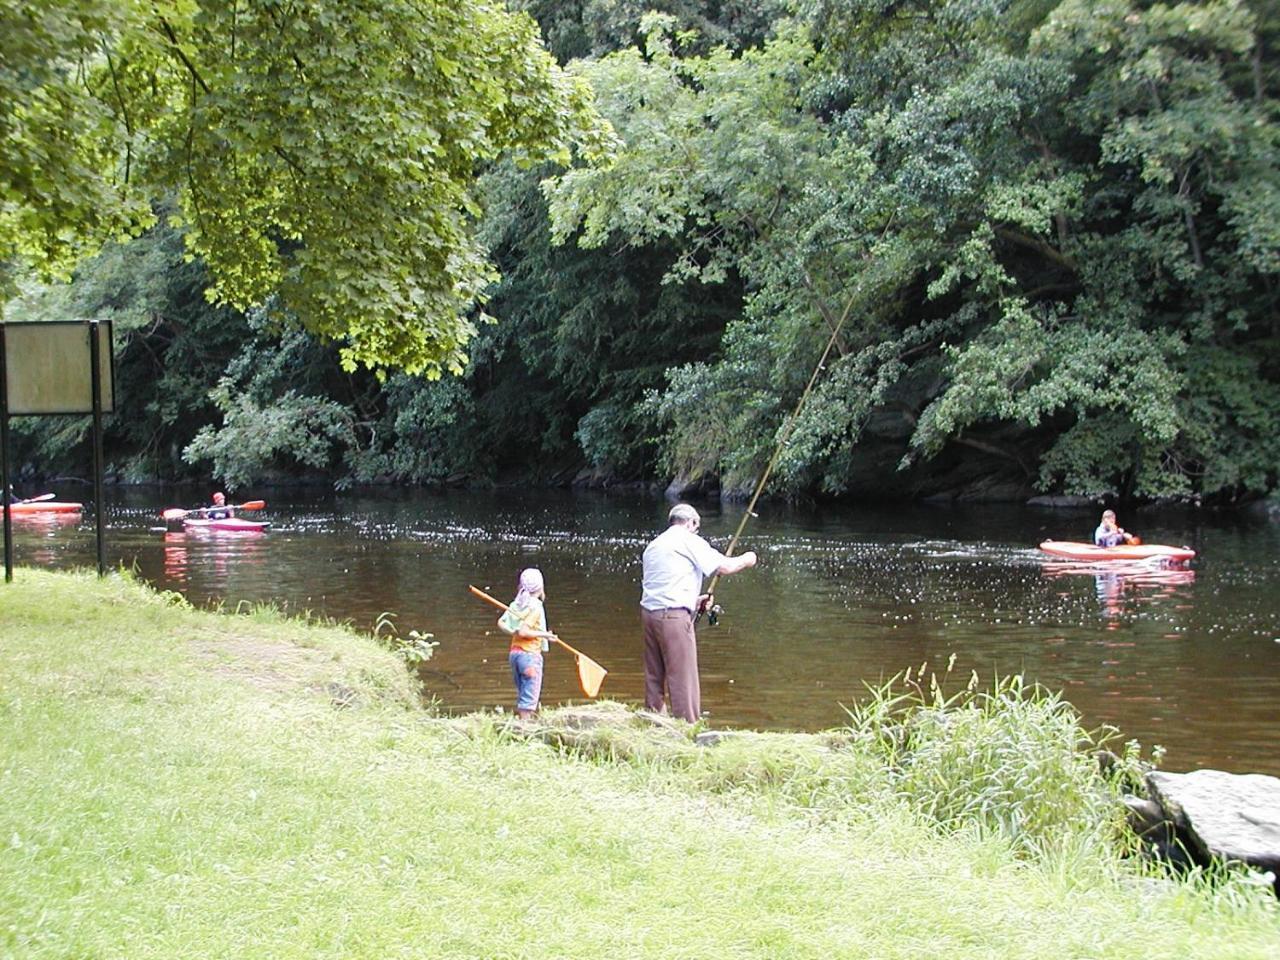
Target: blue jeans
point(528, 689)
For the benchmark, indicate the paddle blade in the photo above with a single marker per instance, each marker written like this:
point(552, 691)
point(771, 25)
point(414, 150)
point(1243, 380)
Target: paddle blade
point(590, 675)
point(251, 505)
point(42, 497)
point(174, 513)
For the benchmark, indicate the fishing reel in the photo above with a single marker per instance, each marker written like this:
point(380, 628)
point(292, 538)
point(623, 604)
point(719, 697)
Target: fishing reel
point(713, 614)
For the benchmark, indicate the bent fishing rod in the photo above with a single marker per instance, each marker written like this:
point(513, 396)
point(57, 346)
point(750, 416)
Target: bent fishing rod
point(714, 610)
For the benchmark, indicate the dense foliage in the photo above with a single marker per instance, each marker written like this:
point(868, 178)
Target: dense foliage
point(1044, 235)
point(1056, 219)
point(324, 154)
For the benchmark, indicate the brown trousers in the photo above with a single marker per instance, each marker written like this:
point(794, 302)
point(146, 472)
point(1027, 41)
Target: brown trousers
point(671, 661)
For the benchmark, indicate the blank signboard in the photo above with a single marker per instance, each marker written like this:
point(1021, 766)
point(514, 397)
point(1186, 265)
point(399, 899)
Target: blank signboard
point(49, 368)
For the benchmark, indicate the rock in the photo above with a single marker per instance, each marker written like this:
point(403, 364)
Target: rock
point(711, 738)
point(661, 721)
point(993, 490)
point(690, 488)
point(1228, 816)
point(588, 716)
point(1062, 502)
point(1146, 819)
point(342, 696)
point(886, 423)
point(1265, 509)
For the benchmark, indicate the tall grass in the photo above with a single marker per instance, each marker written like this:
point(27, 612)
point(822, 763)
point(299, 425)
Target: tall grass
point(1013, 760)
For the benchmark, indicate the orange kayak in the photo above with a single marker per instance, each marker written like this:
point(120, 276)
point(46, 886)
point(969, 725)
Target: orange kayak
point(44, 506)
point(1087, 552)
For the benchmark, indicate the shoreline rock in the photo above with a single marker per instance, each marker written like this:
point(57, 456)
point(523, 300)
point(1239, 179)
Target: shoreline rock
point(1230, 817)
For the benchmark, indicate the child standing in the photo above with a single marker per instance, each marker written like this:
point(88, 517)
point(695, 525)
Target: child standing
point(526, 622)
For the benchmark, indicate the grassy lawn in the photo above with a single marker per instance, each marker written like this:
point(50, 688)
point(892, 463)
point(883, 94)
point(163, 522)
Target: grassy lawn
point(177, 783)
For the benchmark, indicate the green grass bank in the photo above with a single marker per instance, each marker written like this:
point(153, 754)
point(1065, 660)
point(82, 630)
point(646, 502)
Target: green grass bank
point(180, 783)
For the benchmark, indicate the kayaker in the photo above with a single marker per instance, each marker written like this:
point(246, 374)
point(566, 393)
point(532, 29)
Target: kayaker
point(675, 564)
point(219, 510)
point(526, 622)
point(1110, 533)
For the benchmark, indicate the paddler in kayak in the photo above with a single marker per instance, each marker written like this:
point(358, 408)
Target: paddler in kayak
point(1110, 533)
point(219, 510)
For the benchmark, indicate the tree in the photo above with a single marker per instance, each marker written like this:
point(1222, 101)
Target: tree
point(171, 347)
point(1053, 227)
point(324, 154)
point(722, 162)
point(593, 28)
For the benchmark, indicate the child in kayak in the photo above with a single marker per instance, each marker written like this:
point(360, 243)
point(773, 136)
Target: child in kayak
point(526, 623)
point(1110, 533)
point(219, 510)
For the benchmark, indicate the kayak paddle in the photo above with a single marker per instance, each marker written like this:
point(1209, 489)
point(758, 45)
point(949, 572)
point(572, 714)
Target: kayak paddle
point(43, 496)
point(177, 513)
point(590, 674)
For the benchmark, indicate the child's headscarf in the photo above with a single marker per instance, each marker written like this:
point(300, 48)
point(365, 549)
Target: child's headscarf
point(529, 587)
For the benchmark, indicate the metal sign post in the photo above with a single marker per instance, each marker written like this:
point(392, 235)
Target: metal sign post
point(4, 460)
point(56, 367)
point(95, 376)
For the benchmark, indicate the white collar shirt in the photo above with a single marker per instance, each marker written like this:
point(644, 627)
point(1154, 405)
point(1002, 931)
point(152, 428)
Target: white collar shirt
point(675, 564)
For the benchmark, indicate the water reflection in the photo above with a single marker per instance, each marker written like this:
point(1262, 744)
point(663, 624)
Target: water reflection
point(1124, 587)
point(211, 558)
point(46, 521)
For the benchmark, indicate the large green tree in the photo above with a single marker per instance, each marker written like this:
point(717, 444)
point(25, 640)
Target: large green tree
point(1052, 227)
point(324, 152)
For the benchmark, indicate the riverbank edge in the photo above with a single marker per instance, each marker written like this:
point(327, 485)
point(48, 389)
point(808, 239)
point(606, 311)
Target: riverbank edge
point(1259, 507)
point(259, 657)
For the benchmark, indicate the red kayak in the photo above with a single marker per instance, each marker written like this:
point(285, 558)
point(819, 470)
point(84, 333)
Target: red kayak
point(226, 525)
point(1089, 553)
point(29, 507)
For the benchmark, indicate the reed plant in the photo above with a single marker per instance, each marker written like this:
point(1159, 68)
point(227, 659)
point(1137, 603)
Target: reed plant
point(1011, 758)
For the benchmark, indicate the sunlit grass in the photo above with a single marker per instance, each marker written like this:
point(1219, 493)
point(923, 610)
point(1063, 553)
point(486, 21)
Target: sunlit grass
point(175, 783)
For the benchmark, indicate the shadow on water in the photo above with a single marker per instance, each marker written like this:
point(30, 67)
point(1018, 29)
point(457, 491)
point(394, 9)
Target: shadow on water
point(1188, 658)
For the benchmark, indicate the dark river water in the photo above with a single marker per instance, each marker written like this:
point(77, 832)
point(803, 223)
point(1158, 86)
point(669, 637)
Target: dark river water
point(843, 597)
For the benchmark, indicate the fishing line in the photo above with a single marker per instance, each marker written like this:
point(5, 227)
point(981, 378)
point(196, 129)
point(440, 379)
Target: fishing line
point(714, 613)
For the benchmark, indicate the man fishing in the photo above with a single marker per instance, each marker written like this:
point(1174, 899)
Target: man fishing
point(675, 564)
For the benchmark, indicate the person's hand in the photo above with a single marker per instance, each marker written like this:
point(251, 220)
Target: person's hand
point(705, 601)
point(749, 559)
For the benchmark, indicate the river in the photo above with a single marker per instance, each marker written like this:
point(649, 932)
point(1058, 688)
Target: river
point(843, 597)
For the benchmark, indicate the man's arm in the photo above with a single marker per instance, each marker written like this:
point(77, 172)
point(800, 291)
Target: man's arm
point(736, 564)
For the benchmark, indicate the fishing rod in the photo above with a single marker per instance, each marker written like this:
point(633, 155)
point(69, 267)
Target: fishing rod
point(714, 611)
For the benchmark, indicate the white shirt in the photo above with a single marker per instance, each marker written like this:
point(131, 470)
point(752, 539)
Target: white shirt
point(675, 564)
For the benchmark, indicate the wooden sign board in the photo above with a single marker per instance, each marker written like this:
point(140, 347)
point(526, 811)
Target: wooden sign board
point(49, 369)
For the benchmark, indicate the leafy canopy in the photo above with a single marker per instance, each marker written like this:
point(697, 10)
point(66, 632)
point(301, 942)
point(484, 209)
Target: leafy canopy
point(1053, 226)
point(324, 154)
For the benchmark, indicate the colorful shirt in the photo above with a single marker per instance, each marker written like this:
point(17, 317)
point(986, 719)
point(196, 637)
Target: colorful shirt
point(675, 564)
point(530, 615)
point(1104, 537)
